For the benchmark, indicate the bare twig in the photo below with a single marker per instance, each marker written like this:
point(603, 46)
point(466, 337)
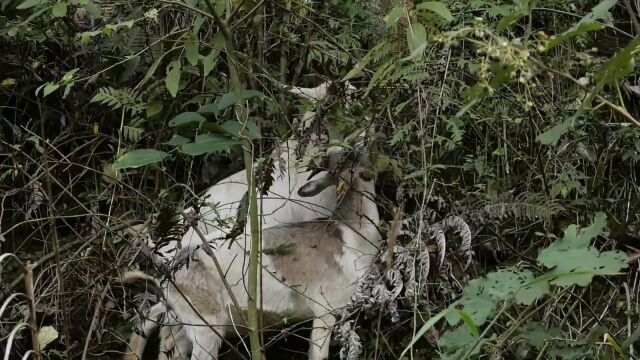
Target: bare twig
point(94, 321)
point(619, 109)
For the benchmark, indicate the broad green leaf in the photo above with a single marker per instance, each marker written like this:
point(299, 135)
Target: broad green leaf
point(46, 335)
point(579, 266)
point(436, 7)
point(49, 88)
point(233, 127)
point(229, 98)
point(172, 81)
point(416, 36)
point(619, 66)
point(537, 333)
point(574, 262)
point(197, 24)
point(209, 62)
point(86, 36)
point(393, 16)
point(533, 289)
point(138, 158)
point(29, 4)
point(177, 140)
point(59, 9)
point(154, 108)
point(208, 143)
point(187, 118)
point(191, 50)
point(209, 109)
point(578, 239)
point(553, 134)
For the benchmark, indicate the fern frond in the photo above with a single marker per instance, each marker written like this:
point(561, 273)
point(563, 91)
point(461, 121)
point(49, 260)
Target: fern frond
point(527, 205)
point(124, 98)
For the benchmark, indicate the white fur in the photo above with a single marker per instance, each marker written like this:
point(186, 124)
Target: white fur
point(326, 291)
point(281, 206)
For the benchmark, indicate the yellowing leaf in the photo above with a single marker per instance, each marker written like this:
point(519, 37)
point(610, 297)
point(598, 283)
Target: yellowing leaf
point(46, 335)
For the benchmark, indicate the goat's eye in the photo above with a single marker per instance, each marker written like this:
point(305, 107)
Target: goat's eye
point(366, 175)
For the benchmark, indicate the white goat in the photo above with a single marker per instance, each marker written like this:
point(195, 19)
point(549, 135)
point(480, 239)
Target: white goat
point(308, 269)
point(281, 205)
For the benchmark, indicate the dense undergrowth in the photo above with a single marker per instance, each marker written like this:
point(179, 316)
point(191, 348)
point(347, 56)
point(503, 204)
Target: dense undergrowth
point(514, 119)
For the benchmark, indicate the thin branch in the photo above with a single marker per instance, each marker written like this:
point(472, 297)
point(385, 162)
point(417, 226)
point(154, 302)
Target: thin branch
point(622, 111)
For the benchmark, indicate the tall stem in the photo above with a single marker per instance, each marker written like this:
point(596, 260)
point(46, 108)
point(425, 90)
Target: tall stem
point(241, 112)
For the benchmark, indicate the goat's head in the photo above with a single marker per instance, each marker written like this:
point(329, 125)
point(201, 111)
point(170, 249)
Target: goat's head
point(345, 169)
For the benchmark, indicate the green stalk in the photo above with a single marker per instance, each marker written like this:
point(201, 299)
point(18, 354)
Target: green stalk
point(236, 84)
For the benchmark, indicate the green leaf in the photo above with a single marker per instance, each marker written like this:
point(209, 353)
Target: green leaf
point(229, 98)
point(578, 239)
point(172, 81)
point(533, 289)
point(536, 333)
point(209, 62)
point(416, 36)
point(393, 16)
point(467, 320)
point(553, 134)
point(138, 158)
point(209, 109)
point(579, 266)
point(29, 4)
point(154, 108)
point(619, 66)
point(177, 140)
point(574, 262)
point(208, 143)
point(187, 118)
point(49, 88)
point(59, 9)
point(436, 7)
point(191, 50)
point(233, 127)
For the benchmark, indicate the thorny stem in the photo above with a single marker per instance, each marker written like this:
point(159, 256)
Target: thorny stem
point(236, 84)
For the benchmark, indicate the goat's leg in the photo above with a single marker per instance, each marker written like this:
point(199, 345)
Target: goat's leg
point(137, 343)
point(321, 337)
point(206, 343)
point(174, 343)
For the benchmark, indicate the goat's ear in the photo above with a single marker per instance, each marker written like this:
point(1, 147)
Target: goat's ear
point(314, 187)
